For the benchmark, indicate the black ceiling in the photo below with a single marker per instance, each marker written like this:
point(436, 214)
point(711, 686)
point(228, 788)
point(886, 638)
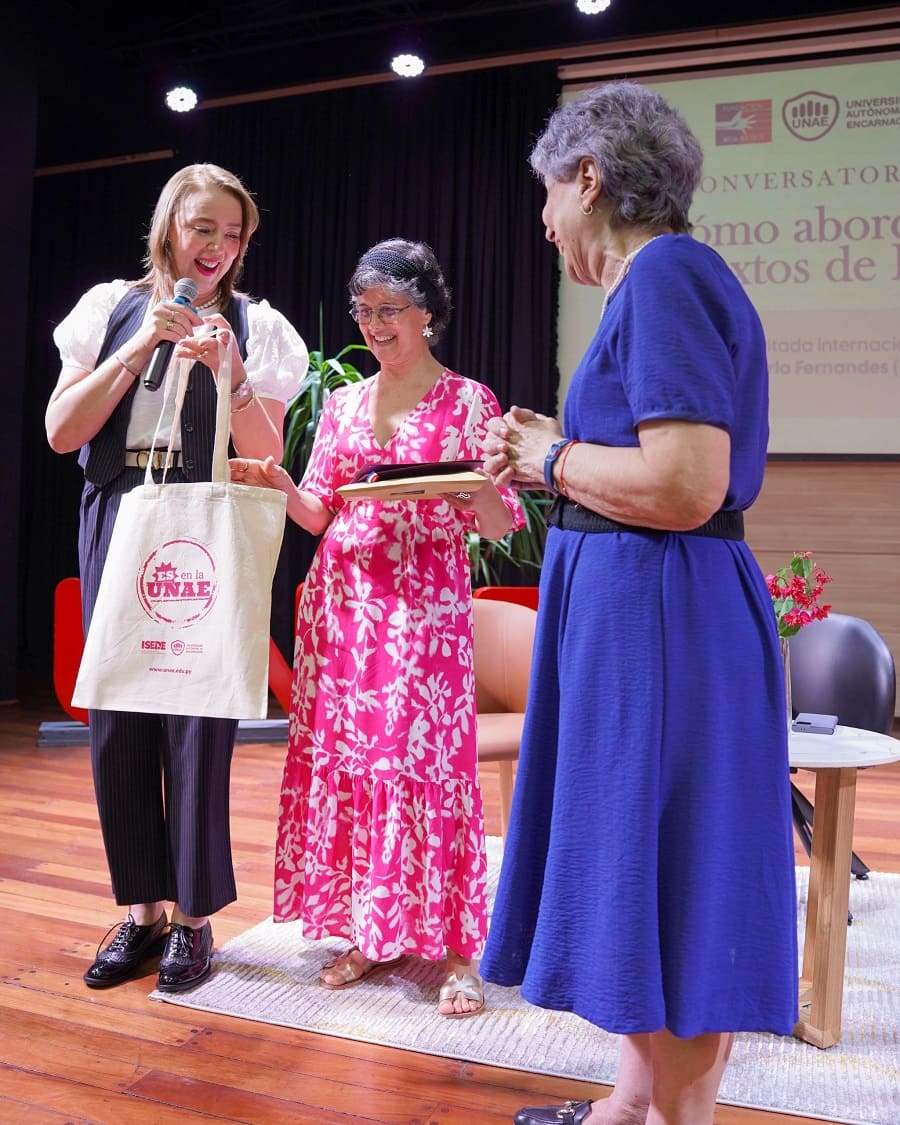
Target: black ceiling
point(101, 63)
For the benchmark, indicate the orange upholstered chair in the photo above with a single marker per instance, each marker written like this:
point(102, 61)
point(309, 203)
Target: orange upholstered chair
point(280, 671)
point(68, 645)
point(524, 595)
point(504, 638)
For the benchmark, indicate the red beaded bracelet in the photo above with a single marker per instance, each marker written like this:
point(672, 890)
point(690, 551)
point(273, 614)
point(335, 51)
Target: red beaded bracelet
point(562, 467)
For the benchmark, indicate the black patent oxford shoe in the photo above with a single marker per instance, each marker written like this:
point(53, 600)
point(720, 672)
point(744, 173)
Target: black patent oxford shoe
point(187, 958)
point(572, 1113)
point(124, 955)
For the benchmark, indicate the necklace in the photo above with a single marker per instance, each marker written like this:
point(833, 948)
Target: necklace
point(623, 270)
point(208, 304)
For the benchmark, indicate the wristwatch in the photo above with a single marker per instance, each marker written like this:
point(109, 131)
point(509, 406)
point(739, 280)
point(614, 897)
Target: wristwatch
point(550, 460)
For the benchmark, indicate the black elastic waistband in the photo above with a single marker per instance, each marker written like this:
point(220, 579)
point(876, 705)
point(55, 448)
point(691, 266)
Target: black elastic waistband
point(573, 517)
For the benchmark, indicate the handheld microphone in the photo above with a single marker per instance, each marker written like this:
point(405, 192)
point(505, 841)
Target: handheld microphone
point(185, 292)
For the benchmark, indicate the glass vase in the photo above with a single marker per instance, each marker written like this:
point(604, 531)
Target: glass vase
point(786, 660)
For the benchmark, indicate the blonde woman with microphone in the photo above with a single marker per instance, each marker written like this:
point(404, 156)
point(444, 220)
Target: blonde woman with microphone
point(162, 781)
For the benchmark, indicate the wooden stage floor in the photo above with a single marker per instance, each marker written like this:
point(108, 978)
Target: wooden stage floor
point(74, 1055)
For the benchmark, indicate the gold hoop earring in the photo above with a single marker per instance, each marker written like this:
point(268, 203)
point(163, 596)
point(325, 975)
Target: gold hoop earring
point(590, 209)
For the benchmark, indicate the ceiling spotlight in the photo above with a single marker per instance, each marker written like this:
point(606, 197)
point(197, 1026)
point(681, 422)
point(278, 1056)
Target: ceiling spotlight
point(181, 99)
point(592, 7)
point(407, 66)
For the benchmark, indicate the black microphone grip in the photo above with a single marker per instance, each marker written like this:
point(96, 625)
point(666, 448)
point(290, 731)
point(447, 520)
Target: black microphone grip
point(185, 292)
point(159, 361)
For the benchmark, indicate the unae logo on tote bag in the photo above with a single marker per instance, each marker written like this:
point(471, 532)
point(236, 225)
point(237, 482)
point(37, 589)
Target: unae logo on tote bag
point(177, 583)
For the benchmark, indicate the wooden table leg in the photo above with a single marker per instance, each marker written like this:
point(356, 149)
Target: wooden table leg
point(825, 944)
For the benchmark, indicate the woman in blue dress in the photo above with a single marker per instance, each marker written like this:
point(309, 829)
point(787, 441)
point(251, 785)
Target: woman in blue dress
point(648, 876)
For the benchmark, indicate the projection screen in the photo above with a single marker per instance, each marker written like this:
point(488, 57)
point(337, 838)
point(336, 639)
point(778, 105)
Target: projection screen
point(801, 196)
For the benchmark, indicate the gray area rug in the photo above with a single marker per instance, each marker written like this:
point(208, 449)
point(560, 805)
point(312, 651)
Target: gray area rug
point(270, 974)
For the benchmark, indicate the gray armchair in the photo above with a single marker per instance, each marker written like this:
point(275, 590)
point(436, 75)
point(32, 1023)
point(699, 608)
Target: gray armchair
point(841, 666)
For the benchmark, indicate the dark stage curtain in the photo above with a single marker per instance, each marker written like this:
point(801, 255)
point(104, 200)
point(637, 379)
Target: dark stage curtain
point(443, 160)
point(18, 132)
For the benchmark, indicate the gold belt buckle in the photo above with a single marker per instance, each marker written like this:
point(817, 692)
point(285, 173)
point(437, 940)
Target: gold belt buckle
point(143, 456)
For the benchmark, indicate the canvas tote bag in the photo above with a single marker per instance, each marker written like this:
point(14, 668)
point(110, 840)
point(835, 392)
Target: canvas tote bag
point(181, 625)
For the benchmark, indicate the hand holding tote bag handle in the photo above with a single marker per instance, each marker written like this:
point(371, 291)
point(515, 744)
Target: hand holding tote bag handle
point(181, 624)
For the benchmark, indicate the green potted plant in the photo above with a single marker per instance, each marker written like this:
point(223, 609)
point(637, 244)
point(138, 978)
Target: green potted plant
point(523, 549)
point(324, 376)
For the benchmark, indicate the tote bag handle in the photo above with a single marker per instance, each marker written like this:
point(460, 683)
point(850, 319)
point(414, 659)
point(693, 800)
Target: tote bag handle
point(220, 473)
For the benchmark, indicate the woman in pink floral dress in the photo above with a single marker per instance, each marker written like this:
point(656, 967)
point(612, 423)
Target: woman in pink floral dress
point(381, 832)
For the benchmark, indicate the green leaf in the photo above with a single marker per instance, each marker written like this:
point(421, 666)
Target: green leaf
point(325, 375)
point(523, 549)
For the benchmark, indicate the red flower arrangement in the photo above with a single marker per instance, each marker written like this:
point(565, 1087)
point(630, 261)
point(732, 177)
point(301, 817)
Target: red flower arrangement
point(795, 591)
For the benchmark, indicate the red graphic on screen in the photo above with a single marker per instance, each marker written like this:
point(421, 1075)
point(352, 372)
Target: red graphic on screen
point(744, 123)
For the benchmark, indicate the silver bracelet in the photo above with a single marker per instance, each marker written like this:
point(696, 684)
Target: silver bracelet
point(122, 363)
point(242, 396)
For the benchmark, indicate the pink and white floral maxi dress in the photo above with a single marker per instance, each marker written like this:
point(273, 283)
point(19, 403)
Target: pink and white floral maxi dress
point(381, 830)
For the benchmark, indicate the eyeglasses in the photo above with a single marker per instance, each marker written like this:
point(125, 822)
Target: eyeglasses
point(387, 314)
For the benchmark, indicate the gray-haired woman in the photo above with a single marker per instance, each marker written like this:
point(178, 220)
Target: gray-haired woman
point(648, 879)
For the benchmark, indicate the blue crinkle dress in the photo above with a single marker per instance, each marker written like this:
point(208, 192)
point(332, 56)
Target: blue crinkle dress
point(648, 873)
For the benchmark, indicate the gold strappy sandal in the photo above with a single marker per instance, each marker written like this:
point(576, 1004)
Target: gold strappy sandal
point(350, 971)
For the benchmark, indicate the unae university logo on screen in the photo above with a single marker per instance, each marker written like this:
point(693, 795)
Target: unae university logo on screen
point(177, 584)
point(810, 115)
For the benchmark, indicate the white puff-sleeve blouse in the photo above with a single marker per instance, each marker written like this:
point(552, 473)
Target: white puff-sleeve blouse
point(277, 357)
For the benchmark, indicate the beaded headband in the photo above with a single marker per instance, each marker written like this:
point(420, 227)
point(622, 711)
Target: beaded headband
point(391, 263)
point(395, 265)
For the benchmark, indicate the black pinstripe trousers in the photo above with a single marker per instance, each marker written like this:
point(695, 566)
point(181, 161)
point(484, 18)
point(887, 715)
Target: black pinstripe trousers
point(161, 781)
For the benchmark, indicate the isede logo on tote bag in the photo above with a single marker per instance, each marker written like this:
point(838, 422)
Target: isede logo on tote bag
point(181, 623)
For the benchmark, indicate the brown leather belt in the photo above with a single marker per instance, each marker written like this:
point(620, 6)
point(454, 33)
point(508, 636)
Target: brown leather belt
point(138, 458)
